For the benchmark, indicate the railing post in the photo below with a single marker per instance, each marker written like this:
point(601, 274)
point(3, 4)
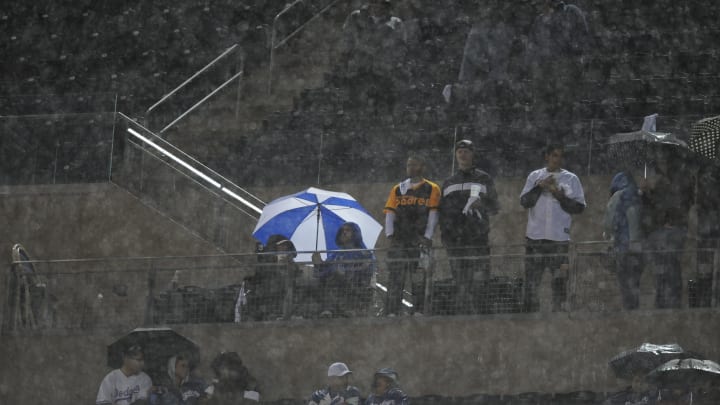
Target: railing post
point(428, 263)
point(150, 304)
point(715, 271)
point(572, 276)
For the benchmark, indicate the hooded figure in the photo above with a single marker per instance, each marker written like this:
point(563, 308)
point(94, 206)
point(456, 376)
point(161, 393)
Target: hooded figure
point(623, 214)
point(623, 227)
point(233, 384)
point(386, 390)
point(180, 388)
point(345, 275)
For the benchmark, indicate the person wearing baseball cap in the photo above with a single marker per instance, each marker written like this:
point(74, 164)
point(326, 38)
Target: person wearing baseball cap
point(339, 391)
point(467, 201)
point(386, 390)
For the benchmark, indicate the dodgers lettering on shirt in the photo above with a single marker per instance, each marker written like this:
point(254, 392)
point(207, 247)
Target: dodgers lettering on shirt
point(547, 220)
point(126, 394)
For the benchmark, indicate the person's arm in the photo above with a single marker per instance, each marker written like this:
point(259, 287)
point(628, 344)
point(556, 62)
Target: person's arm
point(432, 220)
point(390, 206)
point(104, 396)
point(389, 223)
point(531, 192)
point(568, 204)
point(490, 199)
point(529, 199)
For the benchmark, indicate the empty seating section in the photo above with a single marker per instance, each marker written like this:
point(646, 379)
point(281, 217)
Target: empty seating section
point(644, 58)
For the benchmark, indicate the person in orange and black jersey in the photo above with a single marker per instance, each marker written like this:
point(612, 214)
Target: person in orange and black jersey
point(411, 214)
point(467, 202)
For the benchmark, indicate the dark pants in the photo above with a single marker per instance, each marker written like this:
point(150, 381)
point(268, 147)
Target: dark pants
point(403, 261)
point(629, 268)
point(553, 255)
point(465, 260)
point(346, 294)
point(664, 250)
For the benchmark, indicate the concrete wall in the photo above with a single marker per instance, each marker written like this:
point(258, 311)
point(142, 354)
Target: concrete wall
point(445, 356)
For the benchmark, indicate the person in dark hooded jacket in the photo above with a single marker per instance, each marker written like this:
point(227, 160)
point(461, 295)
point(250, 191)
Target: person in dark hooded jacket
point(179, 386)
point(346, 273)
point(623, 227)
point(386, 390)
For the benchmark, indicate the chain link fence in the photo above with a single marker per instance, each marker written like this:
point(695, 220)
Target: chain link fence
point(504, 280)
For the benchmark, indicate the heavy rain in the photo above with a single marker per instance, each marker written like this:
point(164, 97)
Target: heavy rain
point(370, 202)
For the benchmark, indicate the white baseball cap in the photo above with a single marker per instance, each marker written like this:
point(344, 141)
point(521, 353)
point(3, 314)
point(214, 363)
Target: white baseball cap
point(338, 370)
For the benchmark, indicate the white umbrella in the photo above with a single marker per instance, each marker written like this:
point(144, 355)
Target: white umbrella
point(311, 219)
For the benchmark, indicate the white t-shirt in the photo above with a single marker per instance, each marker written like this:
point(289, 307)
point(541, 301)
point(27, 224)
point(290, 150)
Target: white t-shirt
point(118, 389)
point(547, 220)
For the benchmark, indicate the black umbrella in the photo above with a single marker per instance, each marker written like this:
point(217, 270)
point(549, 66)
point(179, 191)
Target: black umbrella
point(641, 360)
point(640, 147)
point(159, 344)
point(705, 137)
point(684, 373)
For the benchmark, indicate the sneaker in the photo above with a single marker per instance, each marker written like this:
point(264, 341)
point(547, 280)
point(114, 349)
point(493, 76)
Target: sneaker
point(326, 314)
point(391, 315)
point(418, 313)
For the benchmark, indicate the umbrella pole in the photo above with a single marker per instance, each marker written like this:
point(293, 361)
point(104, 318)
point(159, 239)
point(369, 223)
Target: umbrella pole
point(317, 228)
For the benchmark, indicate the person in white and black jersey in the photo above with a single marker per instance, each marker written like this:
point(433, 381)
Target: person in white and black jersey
point(468, 200)
point(551, 195)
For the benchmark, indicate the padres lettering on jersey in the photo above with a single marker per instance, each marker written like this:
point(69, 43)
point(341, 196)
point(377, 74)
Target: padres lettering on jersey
point(411, 209)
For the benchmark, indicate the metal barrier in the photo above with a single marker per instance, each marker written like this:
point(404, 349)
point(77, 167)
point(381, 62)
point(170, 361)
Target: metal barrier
point(239, 65)
point(125, 293)
point(275, 45)
point(156, 172)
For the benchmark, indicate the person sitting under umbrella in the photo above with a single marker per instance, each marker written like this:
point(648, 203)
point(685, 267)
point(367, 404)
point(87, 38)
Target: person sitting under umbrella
point(345, 275)
point(179, 387)
point(272, 286)
point(128, 384)
point(233, 383)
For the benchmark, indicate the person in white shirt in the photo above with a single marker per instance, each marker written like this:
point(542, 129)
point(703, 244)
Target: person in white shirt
point(551, 195)
point(128, 384)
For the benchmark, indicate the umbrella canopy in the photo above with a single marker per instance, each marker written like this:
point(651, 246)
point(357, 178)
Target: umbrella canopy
point(682, 373)
point(159, 344)
point(637, 146)
point(705, 136)
point(311, 218)
point(641, 360)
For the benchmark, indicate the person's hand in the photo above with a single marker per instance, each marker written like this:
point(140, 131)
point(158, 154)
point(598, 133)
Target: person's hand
point(557, 192)
point(425, 242)
point(316, 259)
point(547, 183)
point(477, 204)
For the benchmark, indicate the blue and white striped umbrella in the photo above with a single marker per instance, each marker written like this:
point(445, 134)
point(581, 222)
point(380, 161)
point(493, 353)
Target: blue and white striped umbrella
point(311, 218)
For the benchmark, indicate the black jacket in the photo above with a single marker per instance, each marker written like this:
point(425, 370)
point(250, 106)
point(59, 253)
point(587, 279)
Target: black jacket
point(458, 228)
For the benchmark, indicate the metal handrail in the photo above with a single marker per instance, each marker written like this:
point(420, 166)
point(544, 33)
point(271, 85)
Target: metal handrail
point(274, 46)
point(215, 175)
point(191, 78)
point(237, 76)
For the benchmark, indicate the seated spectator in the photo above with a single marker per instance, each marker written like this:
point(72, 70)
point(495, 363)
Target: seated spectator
point(345, 275)
point(339, 390)
point(127, 385)
point(233, 384)
point(271, 288)
point(386, 390)
point(179, 387)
